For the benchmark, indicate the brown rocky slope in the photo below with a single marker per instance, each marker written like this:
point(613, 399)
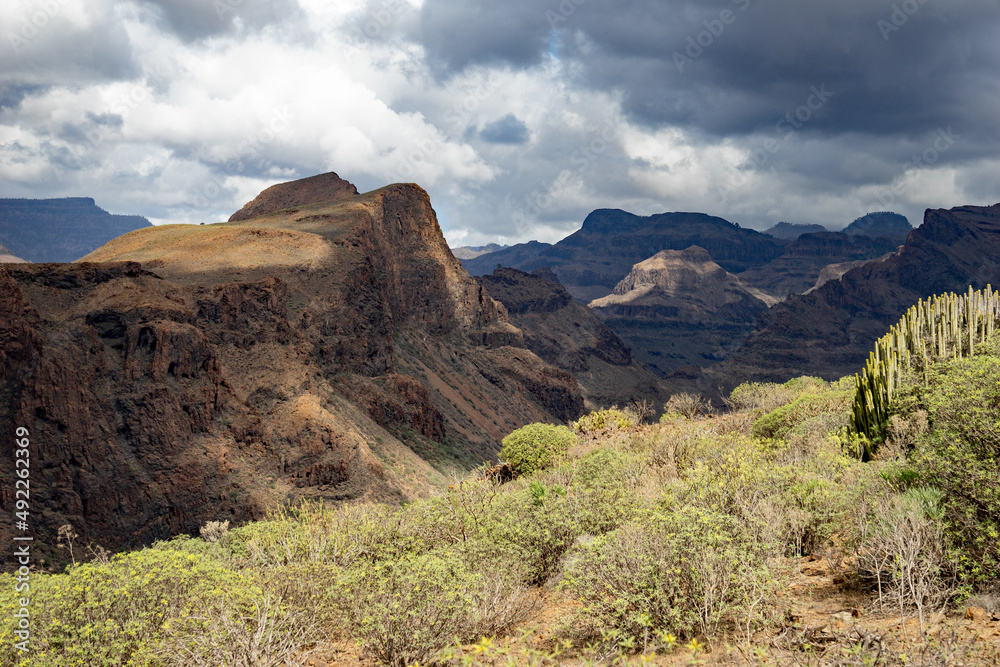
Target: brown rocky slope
point(679, 308)
point(799, 267)
point(571, 337)
point(186, 373)
point(830, 331)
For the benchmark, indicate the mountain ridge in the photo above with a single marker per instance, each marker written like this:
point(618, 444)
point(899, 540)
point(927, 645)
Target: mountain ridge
point(830, 331)
point(60, 230)
point(330, 350)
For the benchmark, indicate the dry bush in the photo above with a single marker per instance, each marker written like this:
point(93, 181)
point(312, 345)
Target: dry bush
point(403, 611)
point(902, 553)
point(270, 634)
point(686, 405)
point(214, 531)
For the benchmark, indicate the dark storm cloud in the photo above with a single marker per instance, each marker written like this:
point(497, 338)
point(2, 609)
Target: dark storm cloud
point(197, 19)
point(737, 67)
point(459, 34)
point(507, 130)
point(37, 54)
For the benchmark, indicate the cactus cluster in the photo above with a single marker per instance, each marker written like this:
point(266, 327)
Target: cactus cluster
point(936, 328)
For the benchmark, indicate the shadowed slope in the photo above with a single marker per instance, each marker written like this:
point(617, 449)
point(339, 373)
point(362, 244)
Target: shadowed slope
point(830, 331)
point(187, 373)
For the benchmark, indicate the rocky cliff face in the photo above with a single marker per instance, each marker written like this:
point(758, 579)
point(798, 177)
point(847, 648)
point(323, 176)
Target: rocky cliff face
point(679, 308)
point(800, 264)
point(829, 332)
point(185, 373)
point(59, 230)
point(571, 337)
point(593, 260)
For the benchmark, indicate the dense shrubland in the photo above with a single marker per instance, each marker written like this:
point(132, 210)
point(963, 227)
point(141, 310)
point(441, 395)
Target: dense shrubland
point(673, 536)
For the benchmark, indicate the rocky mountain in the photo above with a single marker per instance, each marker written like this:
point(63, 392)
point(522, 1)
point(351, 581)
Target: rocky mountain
point(471, 252)
point(790, 231)
point(7, 257)
point(884, 224)
point(60, 230)
point(829, 332)
point(680, 308)
point(183, 373)
point(570, 336)
point(312, 190)
point(799, 267)
point(592, 261)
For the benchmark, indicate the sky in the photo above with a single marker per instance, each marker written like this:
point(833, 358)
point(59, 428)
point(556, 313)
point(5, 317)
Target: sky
point(518, 117)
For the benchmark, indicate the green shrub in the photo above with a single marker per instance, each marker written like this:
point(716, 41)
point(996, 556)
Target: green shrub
point(829, 404)
point(686, 572)
point(119, 613)
point(960, 455)
point(536, 533)
point(316, 532)
point(404, 610)
point(766, 396)
point(901, 553)
point(535, 447)
point(603, 489)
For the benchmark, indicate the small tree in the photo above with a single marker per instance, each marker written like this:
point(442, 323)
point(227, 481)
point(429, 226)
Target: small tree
point(535, 447)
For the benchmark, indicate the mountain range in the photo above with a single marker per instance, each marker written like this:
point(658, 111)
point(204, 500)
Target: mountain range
point(830, 331)
point(326, 343)
point(60, 230)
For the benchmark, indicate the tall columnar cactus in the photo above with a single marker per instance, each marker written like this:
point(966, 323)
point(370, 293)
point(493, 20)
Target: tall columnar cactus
point(943, 326)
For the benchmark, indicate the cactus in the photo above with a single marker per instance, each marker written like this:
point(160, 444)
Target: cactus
point(942, 327)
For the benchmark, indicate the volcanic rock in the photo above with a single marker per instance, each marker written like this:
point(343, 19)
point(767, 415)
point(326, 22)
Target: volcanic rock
point(883, 224)
point(312, 190)
point(830, 331)
point(471, 252)
point(187, 373)
point(6, 257)
point(571, 337)
point(680, 308)
point(799, 266)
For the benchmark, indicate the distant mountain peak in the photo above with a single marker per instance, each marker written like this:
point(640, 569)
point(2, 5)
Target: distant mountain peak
point(792, 231)
point(881, 224)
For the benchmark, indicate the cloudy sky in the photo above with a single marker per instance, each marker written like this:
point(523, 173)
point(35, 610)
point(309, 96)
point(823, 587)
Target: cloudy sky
point(519, 117)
